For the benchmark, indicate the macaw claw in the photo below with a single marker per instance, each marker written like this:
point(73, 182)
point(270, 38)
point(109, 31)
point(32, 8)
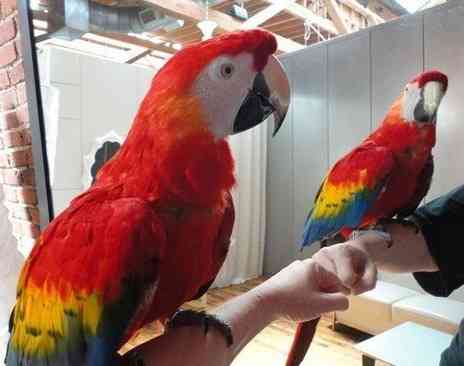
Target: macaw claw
point(407, 222)
point(186, 318)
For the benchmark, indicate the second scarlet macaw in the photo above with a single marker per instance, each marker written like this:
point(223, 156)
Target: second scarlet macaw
point(387, 175)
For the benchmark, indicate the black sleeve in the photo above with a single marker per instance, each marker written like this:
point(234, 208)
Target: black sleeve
point(442, 224)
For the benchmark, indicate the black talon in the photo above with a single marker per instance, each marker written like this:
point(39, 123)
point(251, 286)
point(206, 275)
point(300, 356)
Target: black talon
point(186, 318)
point(407, 222)
point(331, 239)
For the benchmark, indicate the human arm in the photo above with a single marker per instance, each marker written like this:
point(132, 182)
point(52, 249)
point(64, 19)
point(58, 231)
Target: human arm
point(298, 292)
point(433, 255)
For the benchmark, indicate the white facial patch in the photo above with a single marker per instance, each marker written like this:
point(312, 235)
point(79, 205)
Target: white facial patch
point(433, 94)
point(411, 97)
point(221, 88)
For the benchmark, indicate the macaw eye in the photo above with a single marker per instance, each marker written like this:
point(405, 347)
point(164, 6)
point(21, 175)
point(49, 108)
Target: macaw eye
point(406, 89)
point(227, 70)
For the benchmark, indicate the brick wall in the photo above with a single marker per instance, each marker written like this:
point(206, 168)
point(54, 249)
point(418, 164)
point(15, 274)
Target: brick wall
point(16, 166)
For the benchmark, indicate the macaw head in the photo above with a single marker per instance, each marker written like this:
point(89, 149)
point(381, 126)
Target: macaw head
point(234, 80)
point(422, 96)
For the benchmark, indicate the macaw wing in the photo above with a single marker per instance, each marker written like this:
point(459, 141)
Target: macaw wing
point(424, 181)
point(86, 284)
point(222, 244)
point(350, 189)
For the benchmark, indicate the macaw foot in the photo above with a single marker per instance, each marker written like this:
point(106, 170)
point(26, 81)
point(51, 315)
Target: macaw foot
point(331, 240)
point(186, 318)
point(401, 221)
point(378, 229)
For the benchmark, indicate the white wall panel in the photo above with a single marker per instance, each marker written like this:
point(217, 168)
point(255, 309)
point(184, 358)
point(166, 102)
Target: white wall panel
point(144, 77)
point(108, 98)
point(279, 248)
point(397, 56)
point(70, 105)
point(349, 93)
point(310, 133)
point(62, 198)
point(444, 49)
point(64, 66)
point(68, 156)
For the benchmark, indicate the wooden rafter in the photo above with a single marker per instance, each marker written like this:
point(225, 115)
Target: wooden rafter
point(302, 12)
point(189, 10)
point(138, 56)
point(145, 43)
point(371, 17)
point(337, 15)
point(266, 14)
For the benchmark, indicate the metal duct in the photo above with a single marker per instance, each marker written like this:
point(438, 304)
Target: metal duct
point(72, 18)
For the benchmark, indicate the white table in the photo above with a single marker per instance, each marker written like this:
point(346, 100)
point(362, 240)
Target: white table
point(408, 344)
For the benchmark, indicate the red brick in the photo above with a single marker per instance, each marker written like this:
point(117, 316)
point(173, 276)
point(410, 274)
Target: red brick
point(25, 228)
point(20, 158)
point(3, 160)
point(26, 213)
point(7, 7)
point(19, 177)
point(21, 93)
point(16, 73)
point(10, 193)
point(16, 138)
point(28, 176)
point(7, 31)
point(34, 214)
point(19, 211)
point(8, 54)
point(9, 120)
point(22, 114)
point(4, 80)
point(8, 99)
point(27, 196)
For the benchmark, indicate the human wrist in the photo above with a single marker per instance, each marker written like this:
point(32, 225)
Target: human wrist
point(267, 302)
point(370, 243)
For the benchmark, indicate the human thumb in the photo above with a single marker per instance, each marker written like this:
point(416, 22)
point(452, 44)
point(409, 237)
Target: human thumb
point(332, 302)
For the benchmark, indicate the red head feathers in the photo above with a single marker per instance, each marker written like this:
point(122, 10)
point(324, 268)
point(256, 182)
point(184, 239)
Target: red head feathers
point(181, 70)
point(432, 75)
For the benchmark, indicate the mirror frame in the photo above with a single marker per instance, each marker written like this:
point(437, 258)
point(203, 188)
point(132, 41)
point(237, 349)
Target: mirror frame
point(36, 115)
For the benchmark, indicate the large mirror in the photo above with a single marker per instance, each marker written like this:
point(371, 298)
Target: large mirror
point(346, 60)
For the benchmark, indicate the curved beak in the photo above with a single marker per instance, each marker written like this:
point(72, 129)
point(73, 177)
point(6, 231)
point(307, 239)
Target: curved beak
point(270, 95)
point(427, 108)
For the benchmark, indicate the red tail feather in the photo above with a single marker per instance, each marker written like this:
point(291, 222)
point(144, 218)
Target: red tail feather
point(301, 341)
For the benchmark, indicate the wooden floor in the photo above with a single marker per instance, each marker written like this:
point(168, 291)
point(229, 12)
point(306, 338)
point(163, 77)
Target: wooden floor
point(270, 347)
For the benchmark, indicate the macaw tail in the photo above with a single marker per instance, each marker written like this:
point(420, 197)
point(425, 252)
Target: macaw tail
point(301, 341)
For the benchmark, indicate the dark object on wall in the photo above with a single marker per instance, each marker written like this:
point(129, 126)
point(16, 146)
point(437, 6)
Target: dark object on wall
point(102, 155)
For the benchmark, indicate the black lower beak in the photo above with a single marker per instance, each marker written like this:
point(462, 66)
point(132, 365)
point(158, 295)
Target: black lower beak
point(421, 115)
point(256, 107)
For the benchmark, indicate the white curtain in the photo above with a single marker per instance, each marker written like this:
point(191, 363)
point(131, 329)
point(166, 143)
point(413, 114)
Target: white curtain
point(10, 264)
point(245, 258)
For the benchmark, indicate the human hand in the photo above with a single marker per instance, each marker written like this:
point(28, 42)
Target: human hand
point(302, 291)
point(356, 271)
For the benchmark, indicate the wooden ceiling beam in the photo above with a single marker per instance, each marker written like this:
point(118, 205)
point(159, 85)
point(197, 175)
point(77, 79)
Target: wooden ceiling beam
point(337, 16)
point(134, 58)
point(189, 10)
point(278, 23)
point(304, 13)
point(372, 18)
point(136, 42)
point(266, 14)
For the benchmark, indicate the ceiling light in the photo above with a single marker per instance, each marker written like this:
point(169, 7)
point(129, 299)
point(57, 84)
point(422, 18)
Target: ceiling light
point(207, 28)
